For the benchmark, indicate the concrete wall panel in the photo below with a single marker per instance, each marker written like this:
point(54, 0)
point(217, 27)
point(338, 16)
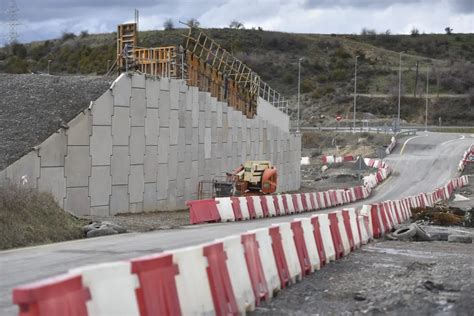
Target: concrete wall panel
point(52, 180)
point(101, 145)
point(77, 201)
point(102, 109)
point(100, 184)
point(122, 90)
point(120, 165)
point(78, 166)
point(80, 129)
point(53, 150)
point(137, 107)
point(151, 127)
point(119, 200)
point(151, 164)
point(136, 183)
point(137, 145)
point(121, 126)
point(27, 167)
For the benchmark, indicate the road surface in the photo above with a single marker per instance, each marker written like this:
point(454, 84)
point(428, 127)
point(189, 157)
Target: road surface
point(421, 164)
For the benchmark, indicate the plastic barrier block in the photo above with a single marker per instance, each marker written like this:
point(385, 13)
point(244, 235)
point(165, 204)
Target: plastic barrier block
point(301, 250)
point(281, 205)
point(279, 254)
point(375, 221)
point(267, 257)
point(294, 199)
point(312, 201)
point(112, 286)
point(304, 203)
point(383, 217)
point(276, 205)
point(271, 205)
point(318, 239)
point(364, 236)
point(299, 203)
point(157, 294)
point(310, 241)
point(388, 212)
point(224, 206)
point(336, 235)
point(57, 296)
point(201, 211)
point(284, 199)
point(254, 267)
point(328, 244)
point(236, 209)
point(219, 280)
point(239, 275)
point(347, 225)
point(264, 205)
point(291, 254)
point(251, 207)
point(257, 206)
point(244, 208)
point(344, 234)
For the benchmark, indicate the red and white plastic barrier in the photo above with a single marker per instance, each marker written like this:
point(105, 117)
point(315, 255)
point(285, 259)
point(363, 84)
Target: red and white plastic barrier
point(331, 159)
point(393, 143)
point(466, 158)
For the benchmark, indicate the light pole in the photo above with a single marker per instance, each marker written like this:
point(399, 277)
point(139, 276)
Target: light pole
point(298, 103)
point(399, 90)
point(108, 65)
point(355, 91)
point(49, 65)
point(427, 88)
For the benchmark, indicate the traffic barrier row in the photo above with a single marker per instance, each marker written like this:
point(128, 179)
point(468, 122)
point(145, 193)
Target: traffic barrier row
point(333, 159)
point(228, 276)
point(391, 146)
point(259, 206)
point(467, 157)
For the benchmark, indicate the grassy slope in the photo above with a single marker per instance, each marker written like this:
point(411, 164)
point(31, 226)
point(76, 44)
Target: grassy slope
point(327, 70)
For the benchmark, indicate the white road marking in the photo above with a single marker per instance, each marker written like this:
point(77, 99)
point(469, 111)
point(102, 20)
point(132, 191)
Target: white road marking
point(452, 140)
point(404, 144)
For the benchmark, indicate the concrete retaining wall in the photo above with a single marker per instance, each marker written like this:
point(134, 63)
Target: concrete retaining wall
point(145, 144)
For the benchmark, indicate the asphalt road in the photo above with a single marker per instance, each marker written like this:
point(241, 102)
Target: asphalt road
point(421, 164)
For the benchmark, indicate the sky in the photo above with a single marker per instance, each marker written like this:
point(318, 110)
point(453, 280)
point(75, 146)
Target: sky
point(46, 19)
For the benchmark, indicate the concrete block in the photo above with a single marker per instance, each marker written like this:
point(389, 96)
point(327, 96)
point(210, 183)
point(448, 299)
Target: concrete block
point(165, 84)
point(136, 207)
point(188, 158)
point(162, 182)
point(182, 117)
point(219, 106)
point(201, 127)
point(121, 126)
point(174, 127)
point(189, 190)
point(137, 107)
point(138, 81)
point(53, 150)
point(195, 143)
point(102, 109)
point(164, 108)
point(174, 94)
point(136, 183)
point(80, 129)
point(101, 145)
point(27, 166)
point(173, 162)
point(77, 201)
point(100, 210)
point(120, 164)
point(151, 164)
point(207, 143)
point(152, 87)
point(180, 179)
point(119, 200)
point(52, 180)
point(122, 90)
point(150, 202)
point(100, 185)
point(188, 132)
point(201, 161)
point(163, 145)
point(208, 115)
point(137, 145)
point(77, 166)
point(183, 96)
point(181, 144)
point(151, 127)
point(195, 113)
point(191, 98)
point(172, 195)
point(202, 100)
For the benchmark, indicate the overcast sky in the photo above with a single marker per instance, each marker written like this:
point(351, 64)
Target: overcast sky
point(43, 19)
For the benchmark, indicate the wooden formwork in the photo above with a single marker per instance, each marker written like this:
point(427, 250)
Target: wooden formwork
point(160, 61)
point(126, 42)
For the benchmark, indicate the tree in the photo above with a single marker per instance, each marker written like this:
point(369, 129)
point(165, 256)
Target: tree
point(415, 32)
point(236, 25)
point(193, 22)
point(67, 36)
point(84, 33)
point(448, 30)
point(18, 50)
point(168, 25)
point(367, 32)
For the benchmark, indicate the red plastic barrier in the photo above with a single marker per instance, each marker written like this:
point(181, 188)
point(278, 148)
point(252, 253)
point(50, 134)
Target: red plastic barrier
point(347, 225)
point(300, 244)
point(376, 229)
point(251, 207)
point(383, 216)
point(219, 280)
point(285, 204)
point(62, 295)
point(280, 259)
point(201, 211)
point(386, 206)
point(348, 158)
point(157, 294)
point(397, 210)
point(336, 235)
point(236, 208)
point(319, 199)
point(327, 201)
point(319, 240)
point(276, 205)
point(303, 202)
point(263, 203)
point(254, 266)
point(294, 199)
point(313, 202)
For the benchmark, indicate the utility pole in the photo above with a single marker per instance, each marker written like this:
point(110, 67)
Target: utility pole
point(108, 65)
point(427, 91)
point(299, 88)
point(416, 80)
point(49, 66)
point(399, 91)
point(355, 91)
point(12, 17)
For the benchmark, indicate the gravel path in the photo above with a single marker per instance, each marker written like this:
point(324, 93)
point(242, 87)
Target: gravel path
point(32, 107)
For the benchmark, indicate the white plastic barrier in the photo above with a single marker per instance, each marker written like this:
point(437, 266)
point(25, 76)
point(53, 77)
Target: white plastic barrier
point(257, 205)
point(308, 232)
point(244, 209)
point(365, 211)
point(308, 201)
point(224, 206)
point(270, 205)
point(354, 226)
point(289, 203)
point(364, 236)
point(195, 299)
point(300, 203)
point(290, 251)
point(112, 288)
point(342, 230)
point(268, 260)
point(326, 237)
point(315, 199)
point(321, 199)
point(281, 206)
point(238, 273)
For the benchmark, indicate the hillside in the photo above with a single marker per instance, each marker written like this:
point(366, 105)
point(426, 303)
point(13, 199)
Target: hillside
point(327, 69)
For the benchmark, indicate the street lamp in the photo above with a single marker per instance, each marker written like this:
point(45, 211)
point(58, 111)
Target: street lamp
point(355, 90)
point(299, 88)
point(49, 65)
point(399, 90)
point(426, 108)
